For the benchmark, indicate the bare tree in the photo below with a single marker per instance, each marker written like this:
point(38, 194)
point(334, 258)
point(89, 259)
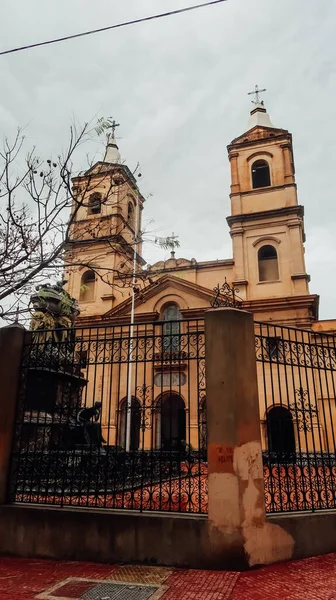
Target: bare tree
point(38, 212)
point(41, 215)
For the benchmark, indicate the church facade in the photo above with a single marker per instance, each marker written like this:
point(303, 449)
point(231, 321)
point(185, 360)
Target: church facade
point(266, 226)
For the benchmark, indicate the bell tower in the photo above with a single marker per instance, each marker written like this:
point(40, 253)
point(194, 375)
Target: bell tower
point(106, 222)
point(266, 222)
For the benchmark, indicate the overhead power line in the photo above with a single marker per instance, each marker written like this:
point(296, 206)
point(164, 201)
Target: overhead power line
point(116, 26)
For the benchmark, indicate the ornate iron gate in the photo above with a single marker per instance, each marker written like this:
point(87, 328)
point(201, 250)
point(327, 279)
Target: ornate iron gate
point(107, 418)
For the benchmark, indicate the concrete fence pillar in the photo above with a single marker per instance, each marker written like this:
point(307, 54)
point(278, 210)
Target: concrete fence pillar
point(11, 344)
point(236, 486)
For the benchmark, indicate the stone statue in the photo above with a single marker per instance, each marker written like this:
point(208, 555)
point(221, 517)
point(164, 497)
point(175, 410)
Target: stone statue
point(89, 418)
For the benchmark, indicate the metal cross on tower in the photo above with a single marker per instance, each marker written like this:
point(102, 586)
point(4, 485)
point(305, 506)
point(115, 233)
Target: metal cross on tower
point(256, 92)
point(114, 126)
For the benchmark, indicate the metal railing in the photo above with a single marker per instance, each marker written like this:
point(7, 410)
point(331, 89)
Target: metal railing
point(109, 420)
point(297, 383)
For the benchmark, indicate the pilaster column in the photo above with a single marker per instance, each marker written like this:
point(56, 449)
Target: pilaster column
point(288, 165)
point(235, 187)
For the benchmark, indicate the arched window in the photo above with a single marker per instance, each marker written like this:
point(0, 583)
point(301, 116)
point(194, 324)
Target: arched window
point(171, 328)
point(130, 214)
point(171, 423)
point(94, 205)
point(280, 430)
point(260, 174)
point(87, 289)
point(268, 263)
point(135, 424)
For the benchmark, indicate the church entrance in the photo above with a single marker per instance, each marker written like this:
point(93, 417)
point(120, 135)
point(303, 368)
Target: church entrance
point(171, 422)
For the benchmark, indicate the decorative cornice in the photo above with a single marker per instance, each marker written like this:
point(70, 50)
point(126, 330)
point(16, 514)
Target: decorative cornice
point(112, 167)
point(301, 276)
point(294, 223)
point(116, 239)
point(240, 282)
point(274, 134)
point(310, 302)
point(237, 231)
point(107, 297)
point(263, 190)
point(266, 214)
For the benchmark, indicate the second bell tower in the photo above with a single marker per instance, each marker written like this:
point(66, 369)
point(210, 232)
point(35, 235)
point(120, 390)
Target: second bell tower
point(266, 222)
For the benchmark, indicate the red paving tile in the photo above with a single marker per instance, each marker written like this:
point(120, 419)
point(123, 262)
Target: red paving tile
point(73, 589)
point(310, 579)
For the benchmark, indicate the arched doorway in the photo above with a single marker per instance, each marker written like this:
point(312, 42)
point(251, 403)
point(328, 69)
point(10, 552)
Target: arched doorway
point(171, 422)
point(280, 429)
point(135, 424)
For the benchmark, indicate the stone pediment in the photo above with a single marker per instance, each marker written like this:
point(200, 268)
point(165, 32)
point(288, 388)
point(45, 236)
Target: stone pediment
point(156, 288)
point(259, 132)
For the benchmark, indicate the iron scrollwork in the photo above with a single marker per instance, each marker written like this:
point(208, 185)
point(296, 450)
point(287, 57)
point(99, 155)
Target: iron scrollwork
point(303, 409)
point(226, 295)
point(145, 394)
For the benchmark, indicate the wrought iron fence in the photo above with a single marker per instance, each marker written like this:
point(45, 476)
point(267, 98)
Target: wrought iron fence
point(297, 384)
point(113, 417)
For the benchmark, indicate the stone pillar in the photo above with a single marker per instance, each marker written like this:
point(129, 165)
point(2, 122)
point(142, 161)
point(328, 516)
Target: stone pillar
point(11, 344)
point(236, 485)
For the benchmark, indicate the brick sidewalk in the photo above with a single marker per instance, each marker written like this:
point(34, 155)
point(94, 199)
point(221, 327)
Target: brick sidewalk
point(27, 579)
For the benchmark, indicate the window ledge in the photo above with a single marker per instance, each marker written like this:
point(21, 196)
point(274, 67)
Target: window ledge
point(262, 187)
point(269, 281)
point(301, 276)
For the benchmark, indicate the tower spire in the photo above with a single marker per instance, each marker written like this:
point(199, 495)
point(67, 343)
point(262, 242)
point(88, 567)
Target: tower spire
point(258, 115)
point(112, 154)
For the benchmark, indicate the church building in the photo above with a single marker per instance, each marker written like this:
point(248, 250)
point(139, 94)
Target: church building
point(266, 225)
point(266, 276)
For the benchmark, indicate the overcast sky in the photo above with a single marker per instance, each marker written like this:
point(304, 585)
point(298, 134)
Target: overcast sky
point(178, 86)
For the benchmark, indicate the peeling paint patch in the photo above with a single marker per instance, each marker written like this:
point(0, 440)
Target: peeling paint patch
point(247, 461)
point(267, 544)
point(224, 509)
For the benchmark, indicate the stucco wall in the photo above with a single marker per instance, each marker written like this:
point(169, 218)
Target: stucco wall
point(173, 540)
